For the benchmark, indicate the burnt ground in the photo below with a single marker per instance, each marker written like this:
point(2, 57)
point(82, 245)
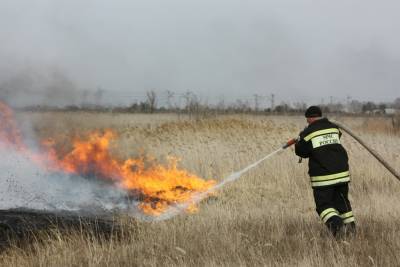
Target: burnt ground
point(20, 226)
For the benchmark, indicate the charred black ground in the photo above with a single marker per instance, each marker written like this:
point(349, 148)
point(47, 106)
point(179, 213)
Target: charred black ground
point(20, 226)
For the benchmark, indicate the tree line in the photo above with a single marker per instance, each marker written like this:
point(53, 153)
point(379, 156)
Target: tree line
point(193, 104)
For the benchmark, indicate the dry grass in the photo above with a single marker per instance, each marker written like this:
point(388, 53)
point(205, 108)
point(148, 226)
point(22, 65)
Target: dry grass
point(265, 218)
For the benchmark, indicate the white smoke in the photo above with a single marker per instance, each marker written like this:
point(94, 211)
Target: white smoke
point(24, 184)
point(39, 86)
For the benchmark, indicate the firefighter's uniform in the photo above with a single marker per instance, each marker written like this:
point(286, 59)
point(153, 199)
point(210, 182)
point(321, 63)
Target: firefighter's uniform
point(329, 173)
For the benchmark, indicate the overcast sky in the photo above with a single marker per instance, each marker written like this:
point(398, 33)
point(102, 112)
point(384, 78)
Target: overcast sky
point(299, 50)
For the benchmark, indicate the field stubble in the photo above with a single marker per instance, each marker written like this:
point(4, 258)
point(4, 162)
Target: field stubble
point(265, 218)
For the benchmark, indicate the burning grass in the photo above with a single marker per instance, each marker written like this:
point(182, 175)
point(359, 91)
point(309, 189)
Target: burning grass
point(159, 186)
point(265, 218)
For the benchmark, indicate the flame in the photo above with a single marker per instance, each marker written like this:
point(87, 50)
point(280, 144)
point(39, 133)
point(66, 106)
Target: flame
point(157, 186)
point(9, 132)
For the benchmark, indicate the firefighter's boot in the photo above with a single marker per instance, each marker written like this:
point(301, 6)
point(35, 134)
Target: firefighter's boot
point(335, 225)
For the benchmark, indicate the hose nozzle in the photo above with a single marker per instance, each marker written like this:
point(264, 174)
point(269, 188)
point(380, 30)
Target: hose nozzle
point(291, 142)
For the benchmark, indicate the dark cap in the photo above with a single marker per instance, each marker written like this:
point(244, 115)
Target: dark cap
point(313, 112)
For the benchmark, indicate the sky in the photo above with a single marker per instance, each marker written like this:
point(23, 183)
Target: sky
point(298, 50)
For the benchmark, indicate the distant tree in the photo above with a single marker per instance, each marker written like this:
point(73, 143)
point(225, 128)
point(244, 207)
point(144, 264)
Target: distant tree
point(135, 107)
point(283, 108)
point(336, 107)
point(382, 107)
point(151, 100)
point(280, 108)
point(368, 107)
point(192, 103)
point(72, 108)
point(144, 107)
point(241, 106)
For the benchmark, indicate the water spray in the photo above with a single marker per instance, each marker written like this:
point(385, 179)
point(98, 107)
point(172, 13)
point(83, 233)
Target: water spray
point(196, 198)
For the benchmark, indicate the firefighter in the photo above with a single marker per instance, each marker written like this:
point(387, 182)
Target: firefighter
point(328, 170)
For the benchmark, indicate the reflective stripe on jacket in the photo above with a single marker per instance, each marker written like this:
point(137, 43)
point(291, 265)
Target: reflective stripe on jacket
point(328, 160)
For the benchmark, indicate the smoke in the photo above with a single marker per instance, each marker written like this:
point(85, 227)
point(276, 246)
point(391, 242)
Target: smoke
point(32, 177)
point(28, 180)
point(24, 184)
point(46, 86)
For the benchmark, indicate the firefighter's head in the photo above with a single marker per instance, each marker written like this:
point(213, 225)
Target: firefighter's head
point(313, 113)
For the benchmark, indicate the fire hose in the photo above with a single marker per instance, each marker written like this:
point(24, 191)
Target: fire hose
point(361, 142)
point(369, 149)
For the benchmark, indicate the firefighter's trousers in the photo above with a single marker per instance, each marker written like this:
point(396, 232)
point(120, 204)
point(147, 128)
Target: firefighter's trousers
point(333, 207)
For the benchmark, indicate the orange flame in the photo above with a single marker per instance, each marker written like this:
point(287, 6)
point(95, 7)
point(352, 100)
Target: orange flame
point(156, 186)
point(9, 133)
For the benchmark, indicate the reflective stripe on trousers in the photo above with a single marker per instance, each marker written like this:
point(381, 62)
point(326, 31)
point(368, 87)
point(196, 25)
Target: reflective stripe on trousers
point(347, 217)
point(328, 213)
point(330, 179)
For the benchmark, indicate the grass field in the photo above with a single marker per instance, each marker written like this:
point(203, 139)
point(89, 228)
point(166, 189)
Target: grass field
point(266, 218)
